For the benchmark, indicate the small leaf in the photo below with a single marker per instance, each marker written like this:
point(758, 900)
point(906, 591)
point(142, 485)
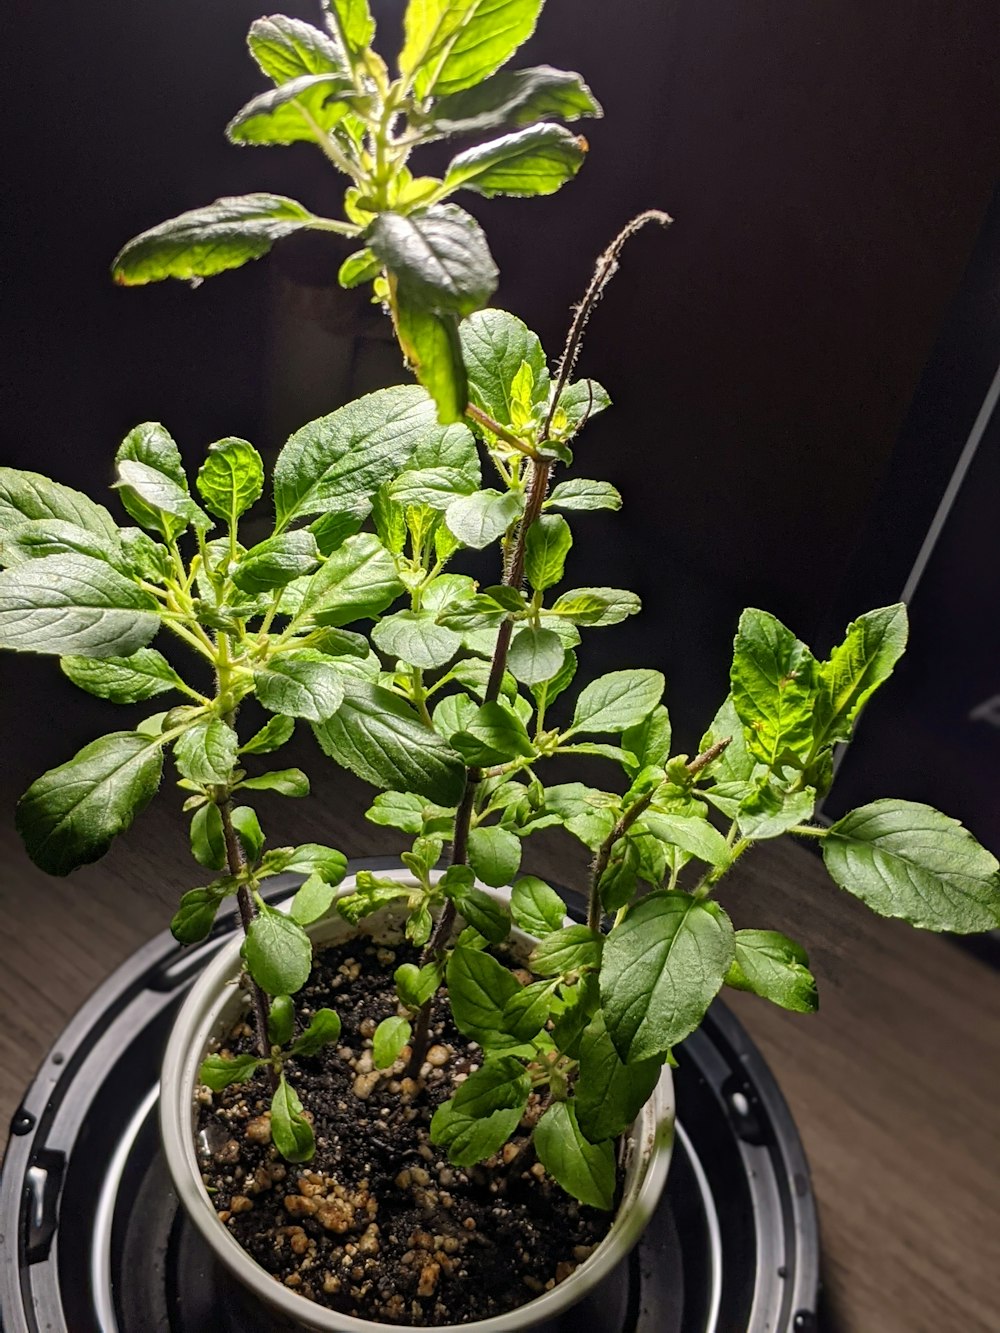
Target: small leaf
point(358, 580)
point(495, 346)
point(662, 967)
point(376, 736)
point(455, 44)
point(479, 988)
point(908, 860)
point(585, 1170)
point(248, 832)
point(435, 487)
point(74, 605)
point(123, 680)
point(767, 811)
point(536, 908)
point(276, 562)
point(277, 952)
point(494, 736)
point(416, 638)
point(208, 842)
point(312, 900)
point(568, 950)
point(596, 606)
point(515, 97)
point(535, 655)
point(534, 161)
point(71, 814)
point(280, 1020)
point(285, 48)
point(206, 752)
point(272, 736)
point(313, 859)
point(873, 645)
point(494, 854)
point(415, 985)
point(484, 1112)
point(692, 834)
point(479, 519)
point(547, 544)
point(305, 108)
point(391, 1036)
point(231, 479)
point(773, 688)
point(617, 701)
point(352, 21)
point(285, 781)
point(579, 493)
point(359, 268)
point(303, 683)
point(649, 740)
point(290, 1130)
point(209, 240)
point(323, 1030)
point(196, 913)
point(609, 1094)
point(221, 1071)
point(439, 258)
point(773, 966)
point(429, 341)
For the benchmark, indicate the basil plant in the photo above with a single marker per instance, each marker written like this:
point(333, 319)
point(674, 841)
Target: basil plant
point(449, 696)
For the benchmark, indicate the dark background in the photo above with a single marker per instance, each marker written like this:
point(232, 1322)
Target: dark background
point(829, 166)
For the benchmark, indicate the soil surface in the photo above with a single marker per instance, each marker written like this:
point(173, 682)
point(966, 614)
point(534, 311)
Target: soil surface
point(378, 1224)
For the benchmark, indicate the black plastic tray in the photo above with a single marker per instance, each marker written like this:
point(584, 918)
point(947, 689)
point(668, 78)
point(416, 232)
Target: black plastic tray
point(92, 1239)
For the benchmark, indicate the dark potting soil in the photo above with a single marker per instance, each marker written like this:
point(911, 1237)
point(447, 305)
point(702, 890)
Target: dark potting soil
point(378, 1224)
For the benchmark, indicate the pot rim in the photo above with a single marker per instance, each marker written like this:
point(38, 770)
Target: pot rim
point(198, 1021)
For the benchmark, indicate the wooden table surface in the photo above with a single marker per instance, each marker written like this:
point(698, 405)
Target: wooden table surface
point(895, 1084)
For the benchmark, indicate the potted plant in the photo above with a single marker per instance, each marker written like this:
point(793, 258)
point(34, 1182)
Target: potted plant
point(399, 1087)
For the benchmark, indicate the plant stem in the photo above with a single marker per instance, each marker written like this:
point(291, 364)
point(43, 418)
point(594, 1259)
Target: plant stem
point(237, 864)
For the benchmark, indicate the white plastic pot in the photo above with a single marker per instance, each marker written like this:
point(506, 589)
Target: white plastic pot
point(214, 1005)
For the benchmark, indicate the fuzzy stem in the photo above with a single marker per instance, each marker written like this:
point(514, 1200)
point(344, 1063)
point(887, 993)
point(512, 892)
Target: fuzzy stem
point(237, 864)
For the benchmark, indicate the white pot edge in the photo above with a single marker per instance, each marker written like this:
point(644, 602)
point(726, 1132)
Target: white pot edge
point(204, 1015)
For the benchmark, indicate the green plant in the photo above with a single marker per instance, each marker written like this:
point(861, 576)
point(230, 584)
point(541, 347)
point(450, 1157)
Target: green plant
point(453, 700)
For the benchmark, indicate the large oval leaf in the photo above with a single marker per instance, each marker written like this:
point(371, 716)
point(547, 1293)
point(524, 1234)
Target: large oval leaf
point(26, 496)
point(453, 44)
point(439, 258)
point(908, 860)
point(71, 814)
point(515, 97)
point(533, 161)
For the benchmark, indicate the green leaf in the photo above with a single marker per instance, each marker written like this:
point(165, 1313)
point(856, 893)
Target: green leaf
point(774, 688)
point(285, 781)
point(391, 1036)
point(168, 505)
point(376, 736)
point(221, 1071)
point(439, 258)
point(71, 814)
point(248, 832)
point(371, 894)
point(231, 479)
point(548, 691)
point(484, 1112)
point(306, 108)
point(209, 240)
point(323, 1030)
point(535, 655)
point(272, 736)
point(416, 638)
point(547, 544)
point(123, 680)
point(534, 161)
point(479, 519)
point(352, 452)
point(277, 952)
point(301, 683)
point(313, 859)
point(662, 967)
point(609, 1094)
point(483, 913)
point(515, 97)
point(429, 341)
point(587, 813)
point(908, 860)
point(357, 581)
point(28, 496)
point(33, 539)
point(290, 1130)
point(874, 644)
point(773, 966)
point(495, 345)
point(359, 268)
point(435, 487)
point(736, 763)
point(495, 735)
point(275, 562)
point(692, 834)
point(195, 916)
point(398, 809)
point(415, 985)
point(312, 900)
point(768, 812)
point(494, 854)
point(280, 1020)
point(585, 1170)
point(578, 402)
point(535, 907)
point(74, 605)
point(571, 949)
point(454, 44)
point(649, 740)
point(352, 22)
point(617, 701)
point(527, 1012)
point(208, 841)
point(286, 48)
point(207, 752)
point(479, 988)
point(596, 606)
point(580, 493)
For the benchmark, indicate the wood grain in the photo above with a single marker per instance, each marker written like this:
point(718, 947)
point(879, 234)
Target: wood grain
point(895, 1084)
